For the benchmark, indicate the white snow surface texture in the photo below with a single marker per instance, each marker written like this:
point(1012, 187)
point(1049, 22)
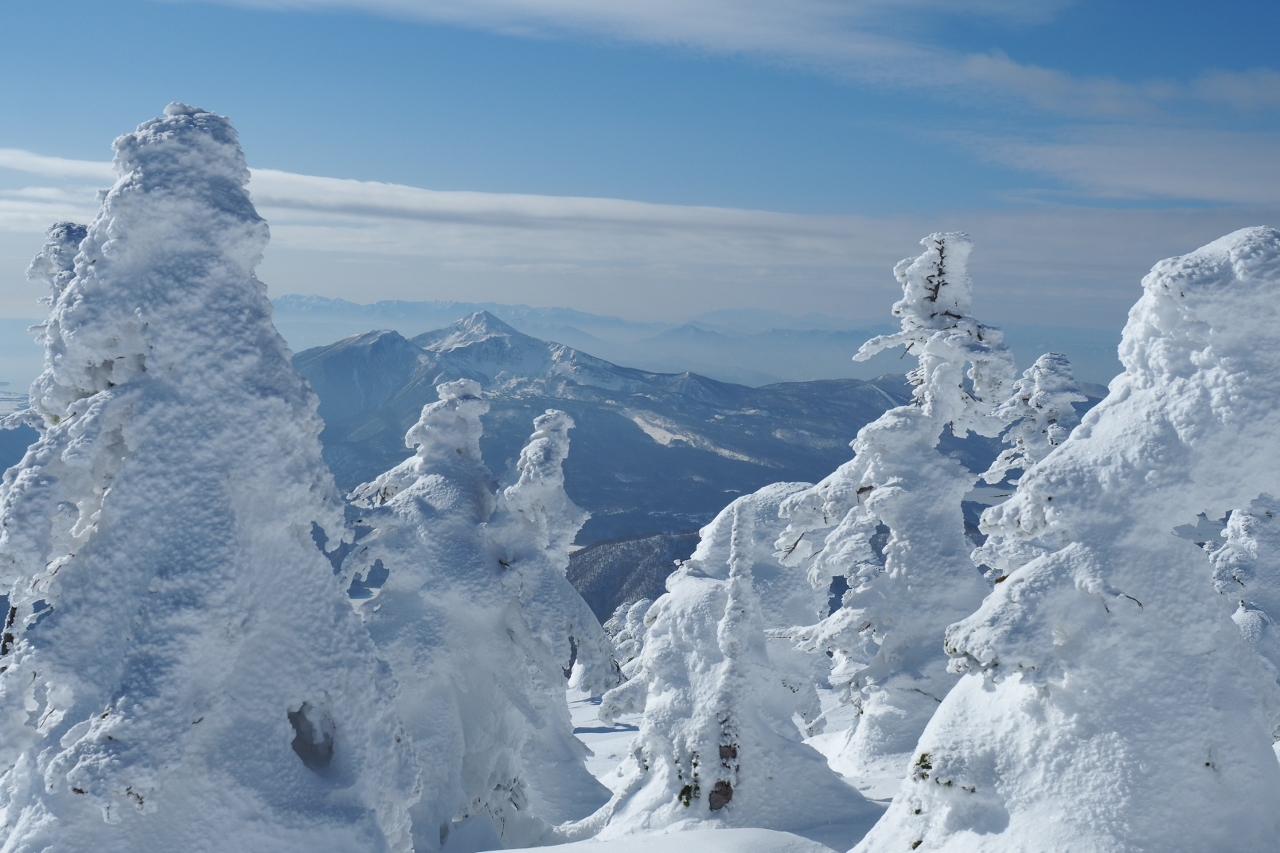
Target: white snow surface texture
point(1110, 704)
point(465, 596)
point(185, 671)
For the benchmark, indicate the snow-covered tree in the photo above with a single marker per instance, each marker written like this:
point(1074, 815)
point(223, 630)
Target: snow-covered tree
point(1246, 569)
point(481, 691)
point(181, 669)
point(529, 535)
point(786, 597)
point(626, 629)
point(1109, 702)
point(886, 639)
point(717, 742)
point(532, 529)
point(1040, 415)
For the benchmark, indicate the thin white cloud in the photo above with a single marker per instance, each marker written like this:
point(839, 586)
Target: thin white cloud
point(1254, 90)
point(856, 38)
point(55, 167)
point(1216, 166)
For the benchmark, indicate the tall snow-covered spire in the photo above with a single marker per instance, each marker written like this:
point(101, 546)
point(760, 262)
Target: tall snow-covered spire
point(182, 654)
point(531, 532)
point(1109, 702)
point(890, 520)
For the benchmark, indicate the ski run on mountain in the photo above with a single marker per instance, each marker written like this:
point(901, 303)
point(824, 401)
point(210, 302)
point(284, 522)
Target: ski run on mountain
point(1015, 618)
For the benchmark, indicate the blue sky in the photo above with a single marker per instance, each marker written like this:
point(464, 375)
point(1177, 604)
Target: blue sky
point(657, 158)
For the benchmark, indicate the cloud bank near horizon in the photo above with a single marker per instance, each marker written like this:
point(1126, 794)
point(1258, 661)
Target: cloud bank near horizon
point(366, 241)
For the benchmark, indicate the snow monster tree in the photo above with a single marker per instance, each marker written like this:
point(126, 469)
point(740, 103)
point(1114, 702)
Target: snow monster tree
point(482, 684)
point(718, 742)
point(886, 639)
point(181, 669)
point(1109, 703)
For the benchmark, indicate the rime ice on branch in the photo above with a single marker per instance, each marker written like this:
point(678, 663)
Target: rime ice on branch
point(1110, 703)
point(886, 640)
point(183, 655)
point(481, 691)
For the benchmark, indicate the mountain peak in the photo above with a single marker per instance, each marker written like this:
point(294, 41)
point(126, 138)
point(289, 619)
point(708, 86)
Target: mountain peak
point(480, 326)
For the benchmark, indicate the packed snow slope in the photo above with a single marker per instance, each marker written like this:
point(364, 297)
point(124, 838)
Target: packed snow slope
point(180, 668)
point(1109, 702)
point(652, 452)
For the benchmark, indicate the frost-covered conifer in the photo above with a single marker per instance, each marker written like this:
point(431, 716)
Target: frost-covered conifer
point(1110, 703)
point(531, 531)
point(1039, 413)
point(717, 741)
point(181, 670)
point(481, 693)
point(886, 639)
point(1246, 569)
point(786, 597)
point(1040, 417)
point(626, 629)
point(529, 534)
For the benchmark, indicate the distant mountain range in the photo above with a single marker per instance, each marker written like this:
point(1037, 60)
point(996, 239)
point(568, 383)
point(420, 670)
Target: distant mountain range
point(744, 346)
point(651, 453)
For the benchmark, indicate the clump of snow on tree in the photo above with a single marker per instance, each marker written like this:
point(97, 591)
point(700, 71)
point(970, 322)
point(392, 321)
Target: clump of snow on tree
point(180, 666)
point(1109, 701)
point(717, 743)
point(446, 594)
point(890, 520)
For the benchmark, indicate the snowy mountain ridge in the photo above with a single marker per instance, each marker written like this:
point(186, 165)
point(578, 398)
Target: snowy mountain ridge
point(745, 345)
point(653, 452)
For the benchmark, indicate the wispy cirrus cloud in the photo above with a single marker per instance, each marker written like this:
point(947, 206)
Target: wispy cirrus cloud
point(55, 167)
point(1152, 163)
point(859, 39)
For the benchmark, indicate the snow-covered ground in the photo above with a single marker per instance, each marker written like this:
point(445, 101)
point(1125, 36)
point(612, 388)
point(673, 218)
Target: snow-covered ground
point(610, 744)
point(699, 841)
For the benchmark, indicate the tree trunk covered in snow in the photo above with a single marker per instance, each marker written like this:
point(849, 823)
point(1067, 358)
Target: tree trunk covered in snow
point(1110, 703)
point(184, 671)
